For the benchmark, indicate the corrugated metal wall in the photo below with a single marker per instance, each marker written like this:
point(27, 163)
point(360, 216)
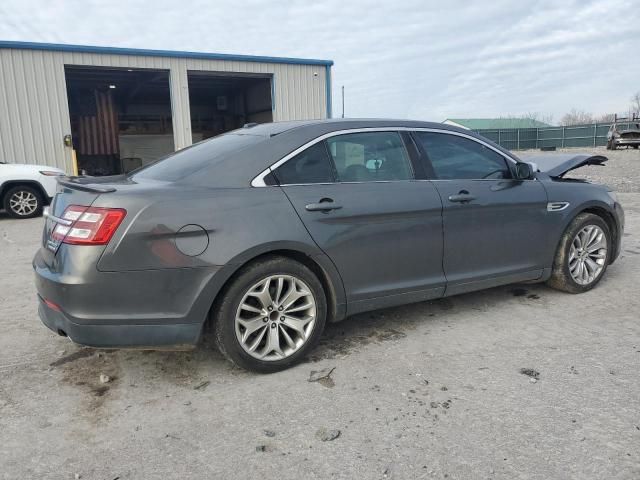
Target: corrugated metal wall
point(34, 111)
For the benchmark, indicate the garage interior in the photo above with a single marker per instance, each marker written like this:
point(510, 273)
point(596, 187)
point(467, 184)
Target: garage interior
point(221, 102)
point(120, 118)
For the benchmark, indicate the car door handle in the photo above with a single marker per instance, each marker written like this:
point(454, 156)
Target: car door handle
point(322, 206)
point(462, 197)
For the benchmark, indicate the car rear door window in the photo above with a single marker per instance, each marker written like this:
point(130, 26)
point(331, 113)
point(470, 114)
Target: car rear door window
point(454, 157)
point(370, 157)
point(312, 165)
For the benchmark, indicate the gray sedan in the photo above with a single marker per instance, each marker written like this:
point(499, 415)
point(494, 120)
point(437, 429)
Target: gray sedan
point(270, 231)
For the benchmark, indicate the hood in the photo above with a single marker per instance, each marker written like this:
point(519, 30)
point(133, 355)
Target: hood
point(631, 132)
point(558, 165)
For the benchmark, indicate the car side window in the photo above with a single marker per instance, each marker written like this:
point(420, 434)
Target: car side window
point(370, 157)
point(312, 165)
point(453, 157)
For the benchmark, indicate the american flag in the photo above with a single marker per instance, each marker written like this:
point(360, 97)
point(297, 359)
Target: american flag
point(99, 132)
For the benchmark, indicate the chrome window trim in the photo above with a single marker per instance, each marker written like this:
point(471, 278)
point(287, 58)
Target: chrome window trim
point(258, 180)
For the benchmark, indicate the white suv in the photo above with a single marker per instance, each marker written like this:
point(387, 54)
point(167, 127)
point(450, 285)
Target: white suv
point(26, 189)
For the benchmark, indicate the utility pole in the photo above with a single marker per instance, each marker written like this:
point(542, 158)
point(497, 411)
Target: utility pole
point(342, 101)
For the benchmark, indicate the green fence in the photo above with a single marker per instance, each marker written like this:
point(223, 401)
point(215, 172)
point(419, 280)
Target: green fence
point(591, 135)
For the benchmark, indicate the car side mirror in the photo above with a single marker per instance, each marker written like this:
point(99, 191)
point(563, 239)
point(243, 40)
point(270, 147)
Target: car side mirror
point(525, 170)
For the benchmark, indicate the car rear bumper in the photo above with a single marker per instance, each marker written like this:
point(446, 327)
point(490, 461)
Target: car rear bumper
point(627, 141)
point(150, 308)
point(119, 335)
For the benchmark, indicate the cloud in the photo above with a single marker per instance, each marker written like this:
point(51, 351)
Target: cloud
point(417, 59)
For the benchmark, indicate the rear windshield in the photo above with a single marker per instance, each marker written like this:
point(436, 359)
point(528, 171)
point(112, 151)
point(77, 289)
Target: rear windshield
point(190, 160)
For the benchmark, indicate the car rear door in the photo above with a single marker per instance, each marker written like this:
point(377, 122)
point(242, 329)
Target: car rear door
point(357, 196)
point(494, 225)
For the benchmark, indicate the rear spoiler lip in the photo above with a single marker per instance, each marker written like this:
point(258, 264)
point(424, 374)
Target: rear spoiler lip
point(72, 182)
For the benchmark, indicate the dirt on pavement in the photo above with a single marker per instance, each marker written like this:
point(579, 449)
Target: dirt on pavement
point(514, 382)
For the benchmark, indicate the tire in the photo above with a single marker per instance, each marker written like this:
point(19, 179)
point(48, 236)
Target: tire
point(566, 271)
point(23, 201)
point(261, 326)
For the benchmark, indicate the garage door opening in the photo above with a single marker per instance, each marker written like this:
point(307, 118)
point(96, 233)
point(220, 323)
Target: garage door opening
point(120, 118)
point(221, 102)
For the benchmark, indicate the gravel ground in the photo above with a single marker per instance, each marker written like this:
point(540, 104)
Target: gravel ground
point(514, 382)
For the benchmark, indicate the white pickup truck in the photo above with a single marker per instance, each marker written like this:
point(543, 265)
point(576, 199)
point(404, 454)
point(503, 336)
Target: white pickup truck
point(26, 189)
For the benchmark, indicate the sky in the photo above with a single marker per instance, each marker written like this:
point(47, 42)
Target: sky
point(425, 60)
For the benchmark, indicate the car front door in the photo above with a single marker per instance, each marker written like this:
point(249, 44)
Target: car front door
point(357, 196)
point(494, 225)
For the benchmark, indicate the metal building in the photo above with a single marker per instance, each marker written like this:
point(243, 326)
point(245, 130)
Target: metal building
point(107, 110)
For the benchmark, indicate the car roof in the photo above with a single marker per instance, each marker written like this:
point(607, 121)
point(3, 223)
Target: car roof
point(332, 124)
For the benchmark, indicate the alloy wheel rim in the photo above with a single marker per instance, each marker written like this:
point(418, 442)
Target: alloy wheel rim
point(275, 317)
point(588, 254)
point(23, 203)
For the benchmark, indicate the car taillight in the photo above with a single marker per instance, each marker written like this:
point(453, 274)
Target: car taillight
point(90, 225)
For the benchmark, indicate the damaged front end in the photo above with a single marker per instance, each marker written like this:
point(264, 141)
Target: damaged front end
point(558, 165)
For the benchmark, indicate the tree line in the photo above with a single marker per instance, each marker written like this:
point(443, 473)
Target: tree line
point(579, 117)
point(582, 117)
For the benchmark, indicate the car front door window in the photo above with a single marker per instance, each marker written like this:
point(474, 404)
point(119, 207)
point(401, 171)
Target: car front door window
point(454, 157)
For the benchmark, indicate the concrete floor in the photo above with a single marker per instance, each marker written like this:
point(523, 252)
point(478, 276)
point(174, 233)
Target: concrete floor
point(431, 390)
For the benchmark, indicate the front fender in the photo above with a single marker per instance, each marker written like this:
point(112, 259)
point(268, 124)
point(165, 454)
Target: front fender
point(581, 197)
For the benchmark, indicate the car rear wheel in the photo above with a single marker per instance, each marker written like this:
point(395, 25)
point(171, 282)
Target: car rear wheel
point(583, 254)
point(271, 315)
point(23, 202)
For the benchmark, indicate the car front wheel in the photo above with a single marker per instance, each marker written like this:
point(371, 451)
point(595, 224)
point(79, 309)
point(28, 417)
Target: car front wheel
point(583, 254)
point(23, 202)
point(271, 315)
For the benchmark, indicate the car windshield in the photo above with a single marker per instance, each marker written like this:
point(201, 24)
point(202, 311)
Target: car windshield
point(186, 162)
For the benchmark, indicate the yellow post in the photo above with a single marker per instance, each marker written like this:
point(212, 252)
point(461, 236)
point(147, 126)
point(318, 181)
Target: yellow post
point(74, 162)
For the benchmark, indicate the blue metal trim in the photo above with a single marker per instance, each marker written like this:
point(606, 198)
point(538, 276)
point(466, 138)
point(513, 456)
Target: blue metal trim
point(159, 53)
point(328, 82)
